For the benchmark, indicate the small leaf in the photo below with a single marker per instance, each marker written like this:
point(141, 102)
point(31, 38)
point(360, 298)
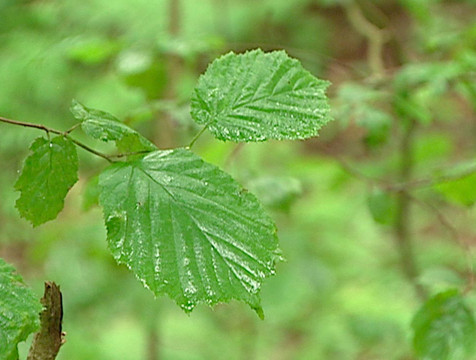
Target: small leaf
point(276, 192)
point(258, 96)
point(103, 126)
point(444, 328)
point(187, 229)
point(19, 311)
point(461, 191)
point(47, 175)
point(382, 207)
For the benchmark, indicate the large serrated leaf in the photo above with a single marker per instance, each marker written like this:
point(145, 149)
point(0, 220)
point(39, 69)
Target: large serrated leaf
point(19, 312)
point(258, 96)
point(187, 229)
point(47, 175)
point(103, 126)
point(444, 328)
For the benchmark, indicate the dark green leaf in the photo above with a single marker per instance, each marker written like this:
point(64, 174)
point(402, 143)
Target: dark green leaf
point(187, 229)
point(19, 312)
point(444, 328)
point(258, 96)
point(104, 126)
point(47, 175)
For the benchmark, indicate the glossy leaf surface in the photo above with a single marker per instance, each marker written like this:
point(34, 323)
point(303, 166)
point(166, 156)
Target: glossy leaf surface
point(187, 229)
point(103, 126)
point(444, 328)
point(258, 96)
point(19, 311)
point(47, 175)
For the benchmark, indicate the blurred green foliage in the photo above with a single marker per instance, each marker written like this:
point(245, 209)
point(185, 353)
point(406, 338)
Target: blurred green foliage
point(342, 293)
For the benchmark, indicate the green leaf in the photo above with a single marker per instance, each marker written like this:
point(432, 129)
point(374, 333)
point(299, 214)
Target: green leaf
point(444, 328)
point(382, 207)
point(19, 312)
point(276, 192)
point(258, 96)
point(187, 229)
point(47, 175)
point(461, 191)
point(103, 126)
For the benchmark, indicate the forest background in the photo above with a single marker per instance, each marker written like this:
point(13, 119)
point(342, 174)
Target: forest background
point(375, 215)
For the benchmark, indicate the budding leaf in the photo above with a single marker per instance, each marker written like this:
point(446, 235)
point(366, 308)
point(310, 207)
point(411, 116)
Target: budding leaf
point(47, 175)
point(103, 126)
point(258, 96)
point(19, 312)
point(444, 328)
point(187, 229)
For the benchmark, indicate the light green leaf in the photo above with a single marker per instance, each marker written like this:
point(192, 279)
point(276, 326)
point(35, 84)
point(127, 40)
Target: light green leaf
point(258, 96)
point(444, 328)
point(461, 191)
point(47, 175)
point(104, 126)
point(277, 192)
point(187, 229)
point(19, 312)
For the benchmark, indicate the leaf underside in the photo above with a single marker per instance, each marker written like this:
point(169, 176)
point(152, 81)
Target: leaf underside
point(444, 328)
point(187, 229)
point(103, 126)
point(47, 175)
point(258, 96)
point(19, 312)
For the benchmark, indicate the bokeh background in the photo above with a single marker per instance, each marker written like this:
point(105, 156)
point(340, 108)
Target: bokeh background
point(361, 253)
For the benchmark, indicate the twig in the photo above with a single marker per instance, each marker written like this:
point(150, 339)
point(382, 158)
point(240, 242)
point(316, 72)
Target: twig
point(195, 138)
point(47, 342)
point(403, 239)
point(49, 130)
point(236, 150)
point(455, 236)
point(375, 36)
point(425, 183)
point(31, 125)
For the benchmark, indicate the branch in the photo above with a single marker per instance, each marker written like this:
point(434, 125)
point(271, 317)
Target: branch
point(424, 183)
point(195, 138)
point(375, 36)
point(31, 125)
point(66, 134)
point(403, 239)
point(406, 188)
point(456, 238)
point(49, 339)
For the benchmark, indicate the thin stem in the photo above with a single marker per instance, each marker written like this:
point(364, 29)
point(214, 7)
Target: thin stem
point(130, 154)
point(233, 154)
point(74, 127)
point(195, 138)
point(375, 36)
point(406, 188)
point(424, 183)
point(403, 239)
point(87, 148)
point(455, 236)
point(31, 125)
point(58, 132)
